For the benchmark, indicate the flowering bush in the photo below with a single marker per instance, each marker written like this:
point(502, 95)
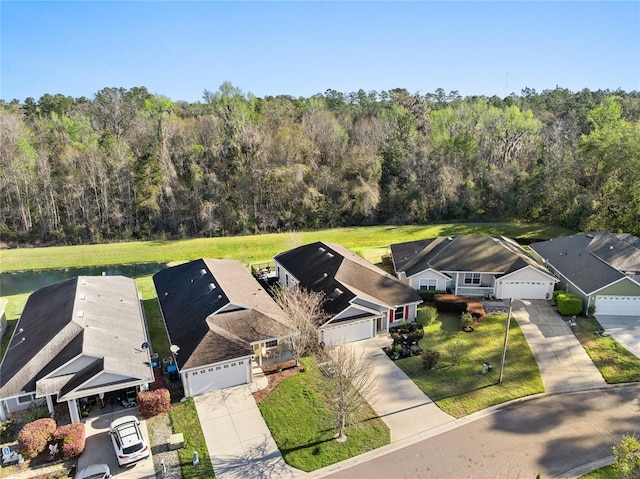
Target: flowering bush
point(151, 403)
point(34, 437)
point(71, 440)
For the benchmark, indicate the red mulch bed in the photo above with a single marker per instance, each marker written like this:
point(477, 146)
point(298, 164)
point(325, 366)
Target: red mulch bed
point(274, 380)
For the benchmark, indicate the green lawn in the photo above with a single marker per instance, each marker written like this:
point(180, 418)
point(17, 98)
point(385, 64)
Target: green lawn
point(307, 443)
point(461, 390)
point(184, 419)
point(370, 241)
point(615, 363)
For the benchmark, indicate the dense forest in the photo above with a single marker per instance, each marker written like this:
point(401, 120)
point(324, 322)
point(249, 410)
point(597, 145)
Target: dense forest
point(129, 164)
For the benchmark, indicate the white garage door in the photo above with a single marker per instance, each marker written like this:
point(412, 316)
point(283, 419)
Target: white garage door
point(525, 289)
point(618, 305)
point(213, 378)
point(348, 332)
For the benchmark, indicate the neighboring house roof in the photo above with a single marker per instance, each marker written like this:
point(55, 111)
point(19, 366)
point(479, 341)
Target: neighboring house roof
point(594, 260)
point(342, 275)
point(486, 254)
point(81, 336)
point(214, 309)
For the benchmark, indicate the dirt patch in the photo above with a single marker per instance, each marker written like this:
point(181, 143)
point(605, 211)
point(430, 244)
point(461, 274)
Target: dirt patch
point(274, 379)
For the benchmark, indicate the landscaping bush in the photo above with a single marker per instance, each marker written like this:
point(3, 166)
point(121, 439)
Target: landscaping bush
point(466, 320)
point(152, 403)
point(428, 295)
point(34, 437)
point(71, 440)
point(568, 304)
point(476, 309)
point(450, 303)
point(556, 293)
point(37, 413)
point(427, 315)
point(430, 359)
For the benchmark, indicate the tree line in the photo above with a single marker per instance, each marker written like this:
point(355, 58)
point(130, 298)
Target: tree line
point(128, 164)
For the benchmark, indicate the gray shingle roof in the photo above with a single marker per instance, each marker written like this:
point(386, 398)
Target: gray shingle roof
point(341, 275)
point(91, 316)
point(461, 253)
point(594, 260)
point(214, 309)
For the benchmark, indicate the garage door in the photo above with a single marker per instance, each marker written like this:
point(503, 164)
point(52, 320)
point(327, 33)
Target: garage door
point(618, 305)
point(525, 289)
point(218, 377)
point(348, 332)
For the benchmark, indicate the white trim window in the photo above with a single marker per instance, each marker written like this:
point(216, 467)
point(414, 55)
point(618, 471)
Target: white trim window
point(399, 314)
point(428, 284)
point(472, 278)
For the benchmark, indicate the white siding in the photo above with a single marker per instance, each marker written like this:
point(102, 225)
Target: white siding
point(607, 305)
point(348, 332)
point(217, 376)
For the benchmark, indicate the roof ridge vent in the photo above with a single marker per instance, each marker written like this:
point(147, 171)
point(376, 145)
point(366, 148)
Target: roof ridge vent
point(203, 272)
point(212, 286)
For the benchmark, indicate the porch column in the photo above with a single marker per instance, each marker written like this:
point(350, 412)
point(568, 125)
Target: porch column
point(49, 405)
point(455, 290)
point(3, 414)
point(73, 410)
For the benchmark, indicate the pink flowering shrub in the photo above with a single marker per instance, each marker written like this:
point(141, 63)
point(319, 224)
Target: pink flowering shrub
point(151, 403)
point(71, 440)
point(34, 437)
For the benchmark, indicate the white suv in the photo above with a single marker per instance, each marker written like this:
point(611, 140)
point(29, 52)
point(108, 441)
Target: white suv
point(127, 440)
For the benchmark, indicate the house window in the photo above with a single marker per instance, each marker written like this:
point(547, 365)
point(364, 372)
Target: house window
point(195, 373)
point(472, 278)
point(25, 399)
point(286, 280)
point(271, 344)
point(226, 366)
point(399, 314)
point(428, 284)
point(218, 368)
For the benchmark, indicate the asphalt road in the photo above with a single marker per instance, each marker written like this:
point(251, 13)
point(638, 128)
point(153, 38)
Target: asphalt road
point(549, 435)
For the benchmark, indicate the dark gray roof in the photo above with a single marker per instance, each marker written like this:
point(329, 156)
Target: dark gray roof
point(462, 253)
point(594, 260)
point(90, 316)
point(214, 309)
point(342, 275)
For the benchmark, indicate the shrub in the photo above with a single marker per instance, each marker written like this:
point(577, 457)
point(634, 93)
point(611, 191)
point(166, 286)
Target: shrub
point(430, 359)
point(428, 295)
point(7, 430)
point(556, 293)
point(37, 413)
point(34, 437)
point(568, 304)
point(427, 315)
point(152, 403)
point(466, 320)
point(450, 303)
point(71, 440)
point(627, 454)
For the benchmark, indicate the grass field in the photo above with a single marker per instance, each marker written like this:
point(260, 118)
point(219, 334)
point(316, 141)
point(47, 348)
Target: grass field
point(461, 389)
point(370, 241)
point(308, 442)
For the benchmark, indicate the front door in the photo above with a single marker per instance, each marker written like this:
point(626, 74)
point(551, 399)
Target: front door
point(381, 324)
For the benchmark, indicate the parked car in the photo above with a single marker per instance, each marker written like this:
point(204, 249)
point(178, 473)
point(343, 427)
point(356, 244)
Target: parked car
point(94, 471)
point(128, 441)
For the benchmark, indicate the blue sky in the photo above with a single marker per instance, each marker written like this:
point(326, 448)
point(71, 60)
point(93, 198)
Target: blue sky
point(179, 48)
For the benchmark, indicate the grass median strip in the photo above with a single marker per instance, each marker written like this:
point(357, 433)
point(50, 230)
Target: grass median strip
point(299, 417)
point(457, 385)
point(184, 419)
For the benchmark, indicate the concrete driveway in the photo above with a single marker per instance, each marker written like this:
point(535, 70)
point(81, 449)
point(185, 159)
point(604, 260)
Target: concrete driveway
point(239, 442)
point(99, 450)
point(404, 408)
point(624, 329)
point(564, 364)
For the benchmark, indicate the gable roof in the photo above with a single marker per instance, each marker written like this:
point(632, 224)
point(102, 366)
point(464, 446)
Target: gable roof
point(594, 260)
point(342, 275)
point(462, 253)
point(97, 317)
point(213, 309)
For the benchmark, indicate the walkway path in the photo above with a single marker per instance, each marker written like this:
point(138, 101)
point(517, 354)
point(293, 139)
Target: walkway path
point(396, 398)
point(239, 441)
point(564, 364)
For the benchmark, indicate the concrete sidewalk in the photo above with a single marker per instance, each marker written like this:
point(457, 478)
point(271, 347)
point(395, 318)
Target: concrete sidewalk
point(239, 442)
point(564, 364)
point(397, 400)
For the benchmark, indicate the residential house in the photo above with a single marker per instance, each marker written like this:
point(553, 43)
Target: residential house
point(76, 339)
point(472, 266)
point(360, 298)
point(218, 318)
point(603, 269)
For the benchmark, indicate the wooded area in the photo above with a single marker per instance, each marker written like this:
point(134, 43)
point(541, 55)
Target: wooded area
point(129, 164)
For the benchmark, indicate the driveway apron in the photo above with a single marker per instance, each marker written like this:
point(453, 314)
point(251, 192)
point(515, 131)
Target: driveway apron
point(624, 329)
point(404, 408)
point(564, 364)
point(239, 441)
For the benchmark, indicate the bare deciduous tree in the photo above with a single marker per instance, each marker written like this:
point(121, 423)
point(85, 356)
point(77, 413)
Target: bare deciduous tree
point(349, 374)
point(303, 309)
